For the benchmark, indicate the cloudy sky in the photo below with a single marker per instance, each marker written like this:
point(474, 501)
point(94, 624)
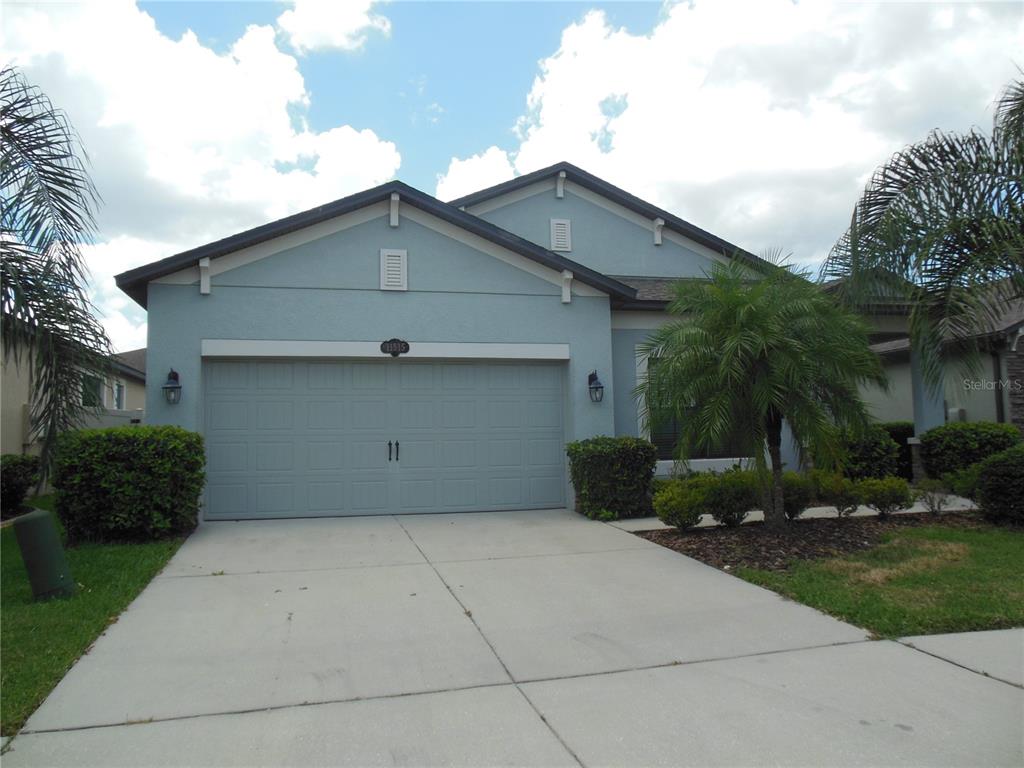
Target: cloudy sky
point(759, 121)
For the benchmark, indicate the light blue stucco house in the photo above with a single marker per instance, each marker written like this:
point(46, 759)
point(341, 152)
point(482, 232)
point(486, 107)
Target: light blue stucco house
point(508, 300)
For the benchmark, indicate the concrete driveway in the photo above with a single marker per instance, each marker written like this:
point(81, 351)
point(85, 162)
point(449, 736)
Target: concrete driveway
point(524, 638)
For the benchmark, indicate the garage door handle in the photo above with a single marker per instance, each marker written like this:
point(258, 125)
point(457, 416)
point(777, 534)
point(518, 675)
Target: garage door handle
point(396, 450)
point(389, 450)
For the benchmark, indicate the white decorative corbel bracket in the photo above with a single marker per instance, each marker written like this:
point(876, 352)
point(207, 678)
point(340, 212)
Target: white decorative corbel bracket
point(393, 214)
point(204, 275)
point(560, 185)
point(658, 226)
point(566, 286)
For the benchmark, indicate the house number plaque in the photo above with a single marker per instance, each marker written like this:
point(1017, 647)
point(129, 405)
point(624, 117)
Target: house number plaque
point(394, 347)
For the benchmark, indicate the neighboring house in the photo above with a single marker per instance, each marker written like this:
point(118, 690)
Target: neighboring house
point(508, 300)
point(994, 391)
point(119, 399)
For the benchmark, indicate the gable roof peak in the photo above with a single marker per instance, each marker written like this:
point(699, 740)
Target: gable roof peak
point(617, 195)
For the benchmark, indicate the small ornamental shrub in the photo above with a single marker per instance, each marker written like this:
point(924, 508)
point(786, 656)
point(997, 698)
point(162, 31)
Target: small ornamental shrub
point(886, 495)
point(732, 496)
point(128, 483)
point(872, 454)
point(681, 502)
point(1001, 486)
point(797, 494)
point(900, 432)
point(839, 492)
point(954, 447)
point(964, 482)
point(18, 474)
point(612, 474)
point(933, 494)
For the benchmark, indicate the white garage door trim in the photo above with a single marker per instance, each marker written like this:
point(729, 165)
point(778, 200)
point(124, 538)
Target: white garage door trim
point(418, 350)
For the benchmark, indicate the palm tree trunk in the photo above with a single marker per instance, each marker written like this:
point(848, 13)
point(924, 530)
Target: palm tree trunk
point(775, 517)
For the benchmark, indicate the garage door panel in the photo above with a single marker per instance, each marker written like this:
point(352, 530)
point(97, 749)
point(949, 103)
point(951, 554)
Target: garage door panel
point(308, 438)
point(370, 495)
point(325, 497)
point(322, 415)
point(227, 457)
point(368, 454)
point(275, 415)
point(274, 457)
point(275, 497)
point(370, 414)
point(327, 376)
point(418, 494)
point(546, 491)
point(325, 455)
point(417, 454)
point(228, 499)
point(226, 415)
point(417, 414)
point(273, 376)
point(458, 414)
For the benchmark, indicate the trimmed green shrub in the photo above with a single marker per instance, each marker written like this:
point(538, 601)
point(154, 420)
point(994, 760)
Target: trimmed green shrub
point(1001, 486)
point(933, 494)
point(900, 432)
point(18, 473)
point(612, 474)
point(128, 483)
point(886, 495)
point(797, 493)
point(681, 502)
point(872, 454)
point(964, 482)
point(954, 447)
point(839, 492)
point(732, 496)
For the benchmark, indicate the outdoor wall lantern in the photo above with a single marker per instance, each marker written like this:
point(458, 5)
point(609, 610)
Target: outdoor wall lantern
point(595, 387)
point(172, 388)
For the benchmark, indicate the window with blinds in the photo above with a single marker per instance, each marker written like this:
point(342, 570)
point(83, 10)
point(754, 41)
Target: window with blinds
point(393, 270)
point(561, 235)
point(666, 429)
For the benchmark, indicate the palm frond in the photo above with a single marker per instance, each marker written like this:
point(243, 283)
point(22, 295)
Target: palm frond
point(48, 214)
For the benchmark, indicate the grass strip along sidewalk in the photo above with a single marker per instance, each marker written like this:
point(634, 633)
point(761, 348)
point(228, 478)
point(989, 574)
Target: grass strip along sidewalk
point(40, 641)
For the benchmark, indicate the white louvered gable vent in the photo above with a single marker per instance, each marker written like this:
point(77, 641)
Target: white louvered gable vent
point(561, 235)
point(393, 270)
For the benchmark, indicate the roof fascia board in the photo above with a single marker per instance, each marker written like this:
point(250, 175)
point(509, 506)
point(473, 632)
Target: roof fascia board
point(515, 196)
point(620, 196)
point(235, 259)
point(134, 282)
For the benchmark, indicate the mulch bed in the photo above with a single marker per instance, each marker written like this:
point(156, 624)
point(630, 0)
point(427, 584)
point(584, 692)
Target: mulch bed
point(754, 546)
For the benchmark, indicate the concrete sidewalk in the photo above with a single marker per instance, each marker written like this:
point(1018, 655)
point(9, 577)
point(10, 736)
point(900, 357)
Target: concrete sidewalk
point(527, 638)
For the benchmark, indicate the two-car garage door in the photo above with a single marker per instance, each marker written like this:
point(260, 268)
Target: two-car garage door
point(289, 438)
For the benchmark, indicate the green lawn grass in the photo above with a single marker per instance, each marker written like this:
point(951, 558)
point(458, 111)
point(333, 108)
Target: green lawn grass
point(918, 581)
point(40, 641)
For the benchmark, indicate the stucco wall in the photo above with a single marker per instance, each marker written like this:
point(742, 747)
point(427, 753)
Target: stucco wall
point(14, 396)
point(14, 403)
point(975, 392)
point(601, 239)
point(328, 290)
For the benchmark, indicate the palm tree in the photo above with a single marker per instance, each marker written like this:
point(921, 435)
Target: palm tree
point(940, 229)
point(745, 353)
point(48, 204)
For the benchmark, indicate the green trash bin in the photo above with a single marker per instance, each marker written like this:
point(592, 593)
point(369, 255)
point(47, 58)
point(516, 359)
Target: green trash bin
point(41, 550)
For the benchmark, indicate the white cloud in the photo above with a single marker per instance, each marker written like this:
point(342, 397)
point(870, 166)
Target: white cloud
point(186, 145)
point(762, 121)
point(318, 24)
point(464, 176)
